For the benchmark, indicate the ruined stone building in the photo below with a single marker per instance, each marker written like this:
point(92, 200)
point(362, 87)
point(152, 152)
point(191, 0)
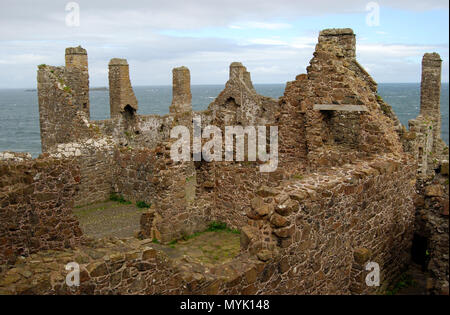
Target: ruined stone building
point(352, 184)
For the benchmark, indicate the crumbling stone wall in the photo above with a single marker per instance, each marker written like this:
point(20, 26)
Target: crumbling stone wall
point(96, 177)
point(170, 188)
point(63, 94)
point(181, 94)
point(122, 98)
point(94, 159)
point(131, 266)
point(430, 91)
point(334, 77)
point(432, 204)
point(77, 73)
point(36, 200)
point(239, 104)
point(317, 228)
point(423, 141)
point(424, 137)
point(342, 195)
point(319, 235)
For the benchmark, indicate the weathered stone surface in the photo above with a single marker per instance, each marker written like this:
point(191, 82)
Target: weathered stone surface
point(265, 191)
point(343, 181)
point(287, 207)
point(278, 220)
point(28, 190)
point(248, 234)
point(434, 191)
point(264, 255)
point(444, 168)
point(285, 231)
point(361, 255)
point(122, 98)
point(181, 94)
point(345, 108)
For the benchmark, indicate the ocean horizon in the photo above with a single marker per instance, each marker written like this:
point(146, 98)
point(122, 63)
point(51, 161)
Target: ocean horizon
point(19, 115)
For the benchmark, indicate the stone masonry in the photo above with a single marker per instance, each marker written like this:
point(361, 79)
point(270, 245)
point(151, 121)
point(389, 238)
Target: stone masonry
point(121, 95)
point(182, 97)
point(430, 91)
point(347, 190)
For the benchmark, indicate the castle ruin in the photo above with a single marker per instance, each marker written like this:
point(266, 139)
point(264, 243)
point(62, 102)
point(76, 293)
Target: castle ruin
point(352, 185)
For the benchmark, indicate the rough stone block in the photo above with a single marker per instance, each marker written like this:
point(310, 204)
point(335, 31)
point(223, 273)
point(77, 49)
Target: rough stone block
point(362, 255)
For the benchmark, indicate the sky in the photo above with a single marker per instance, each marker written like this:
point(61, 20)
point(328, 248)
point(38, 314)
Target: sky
point(275, 40)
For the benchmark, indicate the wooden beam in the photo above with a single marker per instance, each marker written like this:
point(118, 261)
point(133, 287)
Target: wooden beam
point(345, 108)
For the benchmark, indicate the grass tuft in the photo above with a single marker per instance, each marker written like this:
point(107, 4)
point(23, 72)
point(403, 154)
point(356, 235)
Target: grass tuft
point(142, 204)
point(119, 198)
point(405, 281)
point(213, 227)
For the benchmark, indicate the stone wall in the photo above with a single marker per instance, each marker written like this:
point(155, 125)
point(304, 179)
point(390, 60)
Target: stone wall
point(153, 177)
point(320, 225)
point(432, 204)
point(77, 73)
point(63, 94)
point(94, 158)
point(341, 196)
point(334, 77)
point(131, 267)
point(430, 91)
point(315, 239)
point(181, 91)
point(122, 98)
point(36, 200)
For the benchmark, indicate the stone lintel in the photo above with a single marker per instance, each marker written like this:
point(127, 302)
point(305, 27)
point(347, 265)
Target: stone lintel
point(345, 108)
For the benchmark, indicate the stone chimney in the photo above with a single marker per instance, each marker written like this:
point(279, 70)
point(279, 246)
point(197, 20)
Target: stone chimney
point(181, 91)
point(341, 41)
point(76, 57)
point(239, 72)
point(430, 91)
point(121, 95)
point(77, 75)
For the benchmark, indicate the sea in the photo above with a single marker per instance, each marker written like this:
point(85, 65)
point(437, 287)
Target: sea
point(19, 115)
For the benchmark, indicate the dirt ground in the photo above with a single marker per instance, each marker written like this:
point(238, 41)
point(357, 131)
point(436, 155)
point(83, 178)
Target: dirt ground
point(208, 248)
point(109, 219)
point(112, 218)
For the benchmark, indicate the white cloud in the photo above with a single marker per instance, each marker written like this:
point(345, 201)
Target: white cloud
point(394, 51)
point(262, 25)
point(22, 59)
point(33, 32)
point(304, 42)
point(267, 41)
point(44, 19)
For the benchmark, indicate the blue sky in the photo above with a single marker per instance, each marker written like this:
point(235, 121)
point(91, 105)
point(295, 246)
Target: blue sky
point(275, 40)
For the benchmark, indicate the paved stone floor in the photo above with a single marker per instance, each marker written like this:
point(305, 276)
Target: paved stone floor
point(109, 219)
